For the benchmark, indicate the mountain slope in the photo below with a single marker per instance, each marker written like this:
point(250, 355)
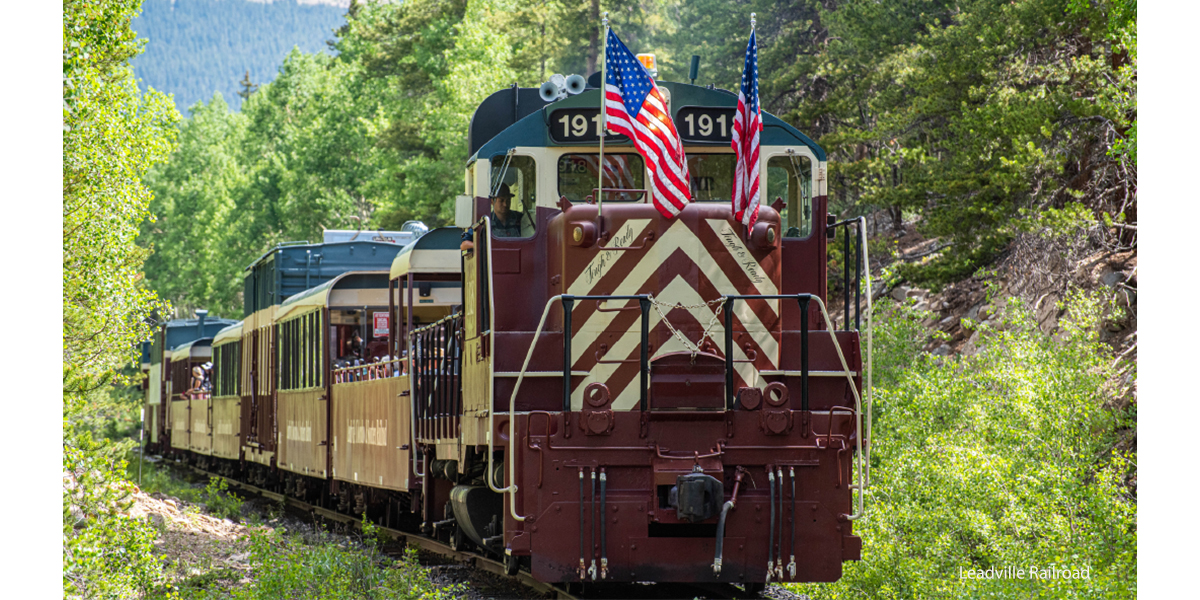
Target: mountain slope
point(197, 47)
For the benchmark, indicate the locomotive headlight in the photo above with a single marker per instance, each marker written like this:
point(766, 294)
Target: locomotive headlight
point(583, 234)
point(763, 235)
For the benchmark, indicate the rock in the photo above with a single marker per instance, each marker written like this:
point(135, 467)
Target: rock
point(922, 305)
point(156, 519)
point(917, 293)
point(943, 350)
point(900, 292)
point(973, 313)
point(1112, 278)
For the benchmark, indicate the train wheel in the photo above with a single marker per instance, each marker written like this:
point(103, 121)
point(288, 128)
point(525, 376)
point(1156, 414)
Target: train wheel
point(456, 538)
point(511, 564)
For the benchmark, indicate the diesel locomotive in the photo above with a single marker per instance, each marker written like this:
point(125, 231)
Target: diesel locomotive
point(607, 395)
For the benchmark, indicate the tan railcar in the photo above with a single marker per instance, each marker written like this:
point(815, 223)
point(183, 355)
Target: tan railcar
point(313, 330)
point(189, 409)
point(226, 396)
point(371, 428)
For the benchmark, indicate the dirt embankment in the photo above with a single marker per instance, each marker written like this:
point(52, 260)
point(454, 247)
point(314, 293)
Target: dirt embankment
point(1042, 271)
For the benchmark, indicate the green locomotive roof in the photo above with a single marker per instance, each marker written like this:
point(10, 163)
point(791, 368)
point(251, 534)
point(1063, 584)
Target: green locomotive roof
point(532, 130)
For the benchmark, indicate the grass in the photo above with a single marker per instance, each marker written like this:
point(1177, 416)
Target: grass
point(313, 565)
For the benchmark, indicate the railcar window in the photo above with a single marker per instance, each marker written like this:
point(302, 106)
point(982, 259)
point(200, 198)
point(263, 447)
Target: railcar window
point(712, 177)
point(226, 360)
point(519, 173)
point(300, 347)
point(789, 178)
point(578, 175)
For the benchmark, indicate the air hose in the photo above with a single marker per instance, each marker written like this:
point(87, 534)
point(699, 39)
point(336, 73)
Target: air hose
point(729, 505)
point(771, 544)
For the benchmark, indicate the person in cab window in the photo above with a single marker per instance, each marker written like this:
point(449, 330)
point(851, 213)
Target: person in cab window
point(505, 222)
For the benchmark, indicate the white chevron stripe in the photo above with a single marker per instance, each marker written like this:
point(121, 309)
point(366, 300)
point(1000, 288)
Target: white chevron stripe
point(678, 237)
point(625, 346)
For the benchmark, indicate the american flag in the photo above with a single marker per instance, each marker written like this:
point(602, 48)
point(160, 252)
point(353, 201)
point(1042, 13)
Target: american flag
point(747, 126)
point(635, 107)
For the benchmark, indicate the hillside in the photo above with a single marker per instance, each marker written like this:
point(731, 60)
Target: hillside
point(197, 47)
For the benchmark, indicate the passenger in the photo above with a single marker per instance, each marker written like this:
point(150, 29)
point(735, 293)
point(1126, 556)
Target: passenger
point(197, 381)
point(505, 222)
point(356, 345)
point(207, 384)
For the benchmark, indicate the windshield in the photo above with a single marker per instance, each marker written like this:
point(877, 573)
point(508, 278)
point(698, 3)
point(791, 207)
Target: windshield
point(578, 176)
point(712, 177)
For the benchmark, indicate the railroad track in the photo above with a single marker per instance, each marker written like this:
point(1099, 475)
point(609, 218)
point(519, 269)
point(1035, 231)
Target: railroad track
point(482, 563)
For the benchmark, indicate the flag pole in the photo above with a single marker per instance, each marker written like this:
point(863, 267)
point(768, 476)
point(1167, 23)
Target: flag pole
point(753, 26)
point(603, 119)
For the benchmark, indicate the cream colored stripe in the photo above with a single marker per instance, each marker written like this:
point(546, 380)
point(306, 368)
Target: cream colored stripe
point(626, 235)
point(753, 270)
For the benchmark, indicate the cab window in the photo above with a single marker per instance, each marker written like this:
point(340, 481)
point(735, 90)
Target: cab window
point(515, 176)
point(578, 176)
point(712, 177)
point(789, 178)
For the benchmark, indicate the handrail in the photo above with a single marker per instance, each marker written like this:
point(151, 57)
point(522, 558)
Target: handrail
point(863, 264)
point(568, 302)
point(511, 488)
point(803, 300)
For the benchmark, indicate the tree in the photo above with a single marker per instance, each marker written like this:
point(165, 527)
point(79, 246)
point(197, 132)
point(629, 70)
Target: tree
point(112, 133)
point(197, 261)
point(248, 87)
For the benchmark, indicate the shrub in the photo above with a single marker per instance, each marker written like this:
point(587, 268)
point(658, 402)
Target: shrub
point(1000, 459)
point(220, 501)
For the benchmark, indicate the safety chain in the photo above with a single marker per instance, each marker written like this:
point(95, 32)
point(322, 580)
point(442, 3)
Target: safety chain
point(695, 348)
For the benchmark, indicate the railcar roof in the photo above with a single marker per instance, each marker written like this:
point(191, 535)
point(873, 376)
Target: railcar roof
point(291, 268)
point(192, 348)
point(532, 130)
point(436, 252)
point(229, 334)
point(182, 331)
point(321, 295)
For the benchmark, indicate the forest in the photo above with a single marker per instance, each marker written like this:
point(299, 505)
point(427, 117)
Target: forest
point(196, 47)
point(989, 125)
point(988, 119)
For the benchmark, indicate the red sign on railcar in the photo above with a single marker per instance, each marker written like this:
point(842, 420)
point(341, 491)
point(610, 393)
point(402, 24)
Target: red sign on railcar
point(381, 324)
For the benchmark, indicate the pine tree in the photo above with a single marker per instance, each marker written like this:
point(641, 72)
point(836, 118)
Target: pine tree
point(248, 87)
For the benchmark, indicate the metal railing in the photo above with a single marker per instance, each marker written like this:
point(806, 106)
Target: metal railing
point(381, 369)
point(436, 374)
point(847, 282)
